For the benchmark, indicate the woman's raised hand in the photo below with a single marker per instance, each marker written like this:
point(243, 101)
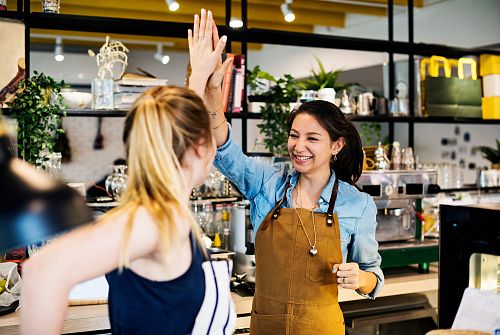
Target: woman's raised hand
point(203, 53)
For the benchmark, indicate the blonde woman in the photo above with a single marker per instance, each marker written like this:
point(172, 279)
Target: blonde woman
point(146, 246)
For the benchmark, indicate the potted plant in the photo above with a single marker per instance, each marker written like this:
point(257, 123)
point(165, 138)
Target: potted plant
point(491, 154)
point(275, 113)
point(38, 108)
point(322, 81)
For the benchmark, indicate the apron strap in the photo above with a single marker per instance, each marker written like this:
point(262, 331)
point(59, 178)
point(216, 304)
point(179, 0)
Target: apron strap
point(276, 209)
point(331, 206)
point(275, 212)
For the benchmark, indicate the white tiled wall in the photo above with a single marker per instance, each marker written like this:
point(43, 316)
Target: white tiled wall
point(89, 165)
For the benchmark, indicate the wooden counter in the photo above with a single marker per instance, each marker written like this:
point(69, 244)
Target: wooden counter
point(95, 317)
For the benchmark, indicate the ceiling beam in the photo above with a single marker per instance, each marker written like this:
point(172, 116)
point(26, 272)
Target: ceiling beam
point(416, 3)
point(266, 14)
point(325, 6)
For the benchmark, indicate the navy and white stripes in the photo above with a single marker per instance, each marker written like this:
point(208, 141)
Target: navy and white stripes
point(217, 314)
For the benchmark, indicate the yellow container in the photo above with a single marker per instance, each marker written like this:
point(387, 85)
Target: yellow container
point(489, 64)
point(491, 108)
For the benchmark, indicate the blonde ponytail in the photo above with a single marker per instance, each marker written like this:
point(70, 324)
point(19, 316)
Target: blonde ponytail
point(161, 126)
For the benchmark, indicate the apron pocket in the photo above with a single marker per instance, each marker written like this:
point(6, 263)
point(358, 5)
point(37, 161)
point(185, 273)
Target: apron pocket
point(300, 326)
point(316, 265)
point(268, 324)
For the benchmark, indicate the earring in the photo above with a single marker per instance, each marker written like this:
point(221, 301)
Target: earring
point(335, 157)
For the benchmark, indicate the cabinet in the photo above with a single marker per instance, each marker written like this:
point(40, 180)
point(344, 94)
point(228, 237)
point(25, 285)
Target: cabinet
point(245, 36)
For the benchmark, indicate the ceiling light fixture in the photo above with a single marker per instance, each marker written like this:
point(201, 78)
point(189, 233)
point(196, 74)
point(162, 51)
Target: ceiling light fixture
point(172, 5)
point(235, 23)
point(160, 56)
point(58, 50)
point(286, 9)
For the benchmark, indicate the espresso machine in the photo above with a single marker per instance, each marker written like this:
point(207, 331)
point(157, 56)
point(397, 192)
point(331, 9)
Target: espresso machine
point(397, 195)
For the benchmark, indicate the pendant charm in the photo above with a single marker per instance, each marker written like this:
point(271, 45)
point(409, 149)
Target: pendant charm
point(313, 251)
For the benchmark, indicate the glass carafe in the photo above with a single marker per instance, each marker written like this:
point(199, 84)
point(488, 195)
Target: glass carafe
point(116, 183)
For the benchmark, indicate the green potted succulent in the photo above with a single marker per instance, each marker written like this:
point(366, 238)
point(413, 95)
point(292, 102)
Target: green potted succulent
point(275, 113)
point(38, 108)
point(491, 154)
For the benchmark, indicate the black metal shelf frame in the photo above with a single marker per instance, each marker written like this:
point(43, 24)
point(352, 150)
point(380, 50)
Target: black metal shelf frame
point(257, 116)
point(256, 35)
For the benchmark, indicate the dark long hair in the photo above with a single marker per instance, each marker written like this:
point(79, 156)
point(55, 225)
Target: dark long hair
point(349, 163)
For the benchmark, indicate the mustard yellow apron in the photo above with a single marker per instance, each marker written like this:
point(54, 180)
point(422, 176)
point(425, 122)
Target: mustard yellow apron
point(295, 292)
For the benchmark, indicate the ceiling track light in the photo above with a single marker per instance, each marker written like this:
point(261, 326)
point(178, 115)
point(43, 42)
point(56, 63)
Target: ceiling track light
point(286, 9)
point(160, 56)
point(172, 5)
point(58, 50)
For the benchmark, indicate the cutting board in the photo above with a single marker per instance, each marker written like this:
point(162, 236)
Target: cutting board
point(92, 292)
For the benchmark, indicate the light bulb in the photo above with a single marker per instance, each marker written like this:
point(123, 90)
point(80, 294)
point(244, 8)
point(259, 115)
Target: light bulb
point(172, 5)
point(160, 56)
point(58, 50)
point(235, 23)
point(288, 15)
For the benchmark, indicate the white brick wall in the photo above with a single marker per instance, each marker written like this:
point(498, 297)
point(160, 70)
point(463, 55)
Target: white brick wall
point(89, 165)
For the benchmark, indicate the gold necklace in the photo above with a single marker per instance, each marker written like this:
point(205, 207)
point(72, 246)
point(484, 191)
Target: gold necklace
point(313, 251)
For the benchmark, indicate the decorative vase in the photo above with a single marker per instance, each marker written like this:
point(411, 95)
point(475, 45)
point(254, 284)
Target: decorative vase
point(116, 183)
point(327, 94)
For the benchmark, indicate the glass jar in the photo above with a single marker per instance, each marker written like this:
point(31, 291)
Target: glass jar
point(102, 93)
point(116, 183)
point(51, 6)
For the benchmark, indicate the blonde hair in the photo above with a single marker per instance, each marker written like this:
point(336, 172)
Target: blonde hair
point(163, 123)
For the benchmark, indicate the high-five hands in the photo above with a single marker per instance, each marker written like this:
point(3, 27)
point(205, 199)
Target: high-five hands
point(205, 49)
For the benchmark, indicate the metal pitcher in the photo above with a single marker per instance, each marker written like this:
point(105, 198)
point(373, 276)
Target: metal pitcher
point(365, 104)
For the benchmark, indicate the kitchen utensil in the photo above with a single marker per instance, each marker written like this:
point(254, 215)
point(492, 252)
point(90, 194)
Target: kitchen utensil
point(99, 138)
point(365, 104)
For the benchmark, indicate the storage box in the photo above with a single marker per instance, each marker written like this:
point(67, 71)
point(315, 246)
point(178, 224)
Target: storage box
point(491, 108)
point(489, 64)
point(491, 85)
point(452, 97)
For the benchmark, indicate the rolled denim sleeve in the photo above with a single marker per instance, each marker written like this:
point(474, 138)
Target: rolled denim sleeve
point(246, 173)
point(365, 247)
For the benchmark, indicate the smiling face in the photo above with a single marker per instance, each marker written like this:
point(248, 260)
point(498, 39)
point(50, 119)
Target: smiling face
point(310, 146)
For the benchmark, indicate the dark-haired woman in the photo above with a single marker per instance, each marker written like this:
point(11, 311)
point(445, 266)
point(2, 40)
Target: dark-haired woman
point(314, 230)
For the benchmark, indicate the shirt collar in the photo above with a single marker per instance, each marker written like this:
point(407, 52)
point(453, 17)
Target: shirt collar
point(326, 194)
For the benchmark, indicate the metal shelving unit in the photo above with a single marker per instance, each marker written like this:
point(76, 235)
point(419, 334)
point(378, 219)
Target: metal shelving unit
point(256, 35)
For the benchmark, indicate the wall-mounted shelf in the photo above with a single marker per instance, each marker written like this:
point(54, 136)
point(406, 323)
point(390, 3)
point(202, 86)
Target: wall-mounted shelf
point(11, 15)
point(257, 116)
point(256, 35)
point(117, 25)
point(267, 36)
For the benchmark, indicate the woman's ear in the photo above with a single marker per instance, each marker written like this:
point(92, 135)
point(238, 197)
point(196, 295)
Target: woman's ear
point(201, 148)
point(338, 145)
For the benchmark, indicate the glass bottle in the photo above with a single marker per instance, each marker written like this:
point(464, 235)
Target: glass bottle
point(396, 156)
point(226, 226)
point(116, 183)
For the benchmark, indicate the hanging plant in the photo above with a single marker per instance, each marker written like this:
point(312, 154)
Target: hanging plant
point(37, 108)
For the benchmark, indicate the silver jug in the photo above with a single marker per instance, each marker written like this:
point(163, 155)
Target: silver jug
point(365, 104)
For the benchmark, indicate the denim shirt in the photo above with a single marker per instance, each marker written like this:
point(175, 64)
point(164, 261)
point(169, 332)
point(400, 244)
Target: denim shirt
point(263, 185)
